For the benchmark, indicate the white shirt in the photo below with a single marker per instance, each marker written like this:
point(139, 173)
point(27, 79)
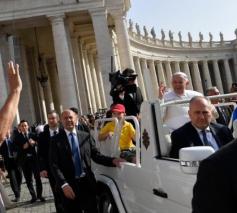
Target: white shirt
point(176, 116)
point(51, 132)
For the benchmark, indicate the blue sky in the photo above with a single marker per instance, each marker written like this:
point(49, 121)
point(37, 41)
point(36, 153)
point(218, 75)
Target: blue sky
point(187, 16)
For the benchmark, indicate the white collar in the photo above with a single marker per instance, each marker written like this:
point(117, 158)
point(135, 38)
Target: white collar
point(73, 131)
point(200, 130)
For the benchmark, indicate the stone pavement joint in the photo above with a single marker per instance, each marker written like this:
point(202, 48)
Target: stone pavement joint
point(24, 205)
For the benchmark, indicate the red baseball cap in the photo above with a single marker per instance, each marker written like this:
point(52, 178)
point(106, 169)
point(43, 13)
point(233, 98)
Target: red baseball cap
point(118, 108)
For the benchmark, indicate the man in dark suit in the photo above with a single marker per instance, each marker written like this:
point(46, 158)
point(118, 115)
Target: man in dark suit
point(9, 152)
point(51, 129)
point(80, 125)
point(223, 112)
point(133, 96)
point(200, 131)
point(26, 143)
point(70, 161)
point(215, 190)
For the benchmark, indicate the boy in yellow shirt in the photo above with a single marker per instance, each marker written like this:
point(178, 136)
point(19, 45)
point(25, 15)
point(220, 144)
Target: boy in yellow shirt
point(127, 135)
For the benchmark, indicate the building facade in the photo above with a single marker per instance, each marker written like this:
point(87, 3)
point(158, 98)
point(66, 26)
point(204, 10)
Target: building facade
point(67, 48)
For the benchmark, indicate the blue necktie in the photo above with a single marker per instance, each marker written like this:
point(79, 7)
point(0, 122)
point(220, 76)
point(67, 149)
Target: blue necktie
point(75, 156)
point(206, 142)
point(9, 146)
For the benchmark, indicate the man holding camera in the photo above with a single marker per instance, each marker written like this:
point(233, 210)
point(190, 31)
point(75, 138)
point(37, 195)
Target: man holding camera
point(126, 92)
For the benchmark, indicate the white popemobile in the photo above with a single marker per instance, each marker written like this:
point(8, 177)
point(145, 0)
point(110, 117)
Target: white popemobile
point(156, 183)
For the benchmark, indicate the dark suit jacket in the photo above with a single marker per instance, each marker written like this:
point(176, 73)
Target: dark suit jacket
point(43, 149)
point(225, 113)
point(215, 190)
point(132, 103)
point(19, 141)
point(5, 154)
point(187, 136)
point(60, 157)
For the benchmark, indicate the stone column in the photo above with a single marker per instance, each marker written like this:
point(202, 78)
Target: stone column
point(161, 75)
point(44, 80)
point(197, 83)
point(89, 109)
point(217, 76)
point(176, 66)
point(104, 47)
point(235, 63)
point(144, 72)
point(53, 76)
point(100, 83)
point(206, 74)
point(153, 75)
point(228, 74)
point(90, 83)
point(187, 72)
point(94, 81)
point(3, 86)
point(168, 73)
point(81, 82)
point(64, 63)
point(125, 55)
point(140, 77)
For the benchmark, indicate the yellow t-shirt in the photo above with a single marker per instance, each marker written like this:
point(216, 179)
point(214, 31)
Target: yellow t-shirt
point(127, 133)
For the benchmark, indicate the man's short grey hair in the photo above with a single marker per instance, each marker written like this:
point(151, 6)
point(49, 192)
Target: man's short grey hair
point(180, 74)
point(214, 88)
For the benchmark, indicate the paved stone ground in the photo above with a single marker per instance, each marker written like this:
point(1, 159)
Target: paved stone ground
point(24, 206)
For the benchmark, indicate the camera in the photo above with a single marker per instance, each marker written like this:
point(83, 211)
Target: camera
point(117, 78)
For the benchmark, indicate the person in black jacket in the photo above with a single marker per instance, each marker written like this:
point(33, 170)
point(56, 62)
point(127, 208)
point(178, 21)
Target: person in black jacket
point(8, 151)
point(51, 129)
point(215, 190)
point(200, 131)
point(27, 158)
point(70, 156)
point(132, 96)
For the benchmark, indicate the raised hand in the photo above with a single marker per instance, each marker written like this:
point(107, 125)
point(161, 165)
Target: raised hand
point(162, 89)
point(15, 83)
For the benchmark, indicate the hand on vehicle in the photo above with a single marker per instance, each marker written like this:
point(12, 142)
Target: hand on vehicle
point(117, 161)
point(44, 174)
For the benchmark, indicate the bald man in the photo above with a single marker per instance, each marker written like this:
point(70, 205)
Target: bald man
point(176, 115)
point(70, 156)
point(200, 131)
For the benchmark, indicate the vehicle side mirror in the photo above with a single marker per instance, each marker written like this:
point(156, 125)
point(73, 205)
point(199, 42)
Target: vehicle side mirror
point(191, 157)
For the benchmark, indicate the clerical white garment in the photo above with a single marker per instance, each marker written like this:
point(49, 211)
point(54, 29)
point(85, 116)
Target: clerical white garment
point(176, 116)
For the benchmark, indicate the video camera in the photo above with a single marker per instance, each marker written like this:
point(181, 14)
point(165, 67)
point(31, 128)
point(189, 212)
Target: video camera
point(118, 78)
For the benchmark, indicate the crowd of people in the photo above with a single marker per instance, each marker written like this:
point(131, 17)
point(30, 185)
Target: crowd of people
point(62, 149)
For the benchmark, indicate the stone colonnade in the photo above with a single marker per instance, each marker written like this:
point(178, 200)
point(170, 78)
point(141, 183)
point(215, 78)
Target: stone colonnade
point(202, 74)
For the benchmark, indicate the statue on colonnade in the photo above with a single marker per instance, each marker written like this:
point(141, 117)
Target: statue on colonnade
point(221, 38)
point(162, 36)
point(180, 39)
point(130, 25)
point(236, 33)
point(200, 39)
point(171, 36)
point(211, 39)
point(138, 29)
point(153, 33)
point(190, 39)
point(145, 32)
